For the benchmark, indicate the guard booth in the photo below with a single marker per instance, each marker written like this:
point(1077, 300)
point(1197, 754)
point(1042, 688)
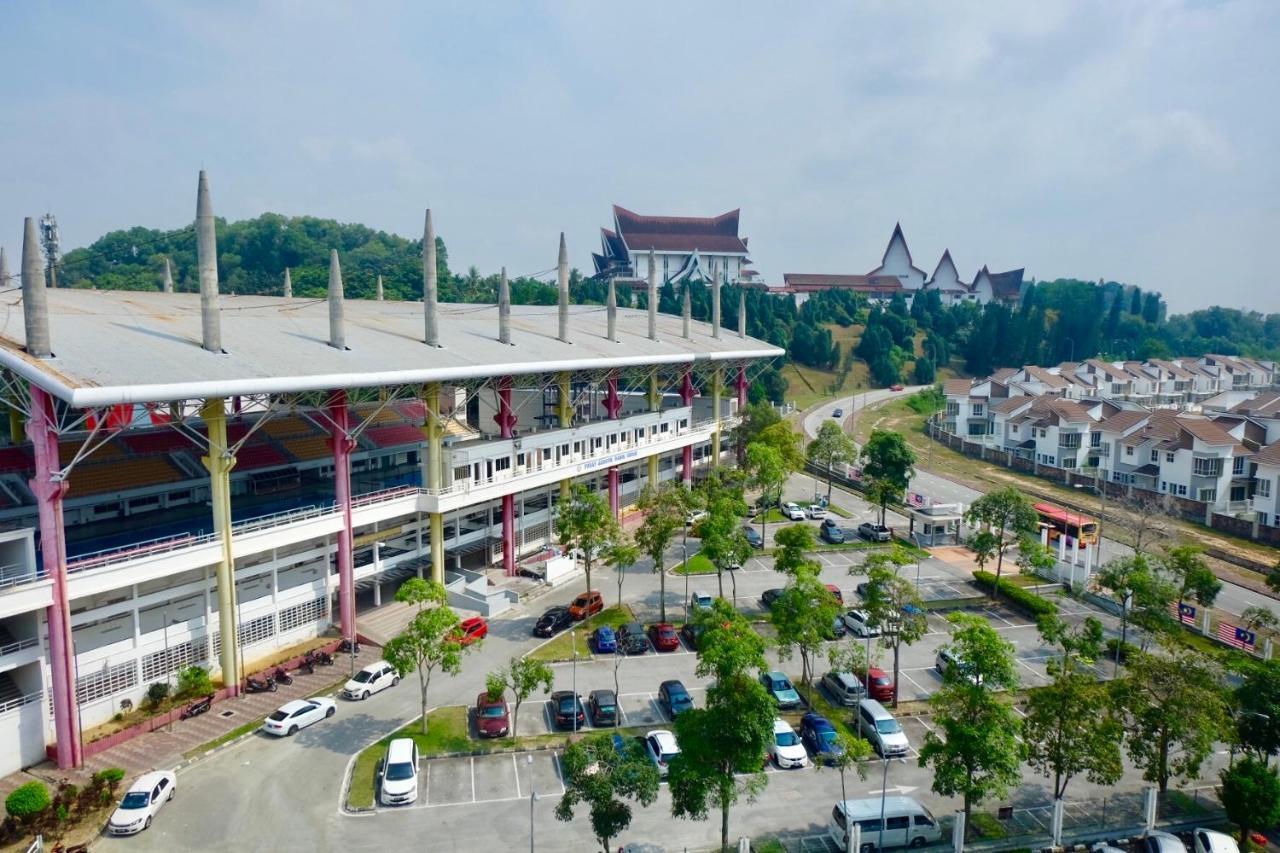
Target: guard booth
point(932, 523)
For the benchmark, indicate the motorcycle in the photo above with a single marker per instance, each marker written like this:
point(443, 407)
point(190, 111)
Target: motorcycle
point(307, 666)
point(281, 676)
point(197, 708)
point(320, 656)
point(349, 647)
point(262, 685)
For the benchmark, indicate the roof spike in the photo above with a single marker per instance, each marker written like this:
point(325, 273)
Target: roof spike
point(207, 265)
point(686, 312)
point(611, 311)
point(562, 285)
point(715, 306)
point(429, 281)
point(35, 300)
point(504, 309)
point(4, 268)
point(288, 284)
point(379, 294)
point(653, 296)
point(337, 338)
point(166, 280)
point(742, 311)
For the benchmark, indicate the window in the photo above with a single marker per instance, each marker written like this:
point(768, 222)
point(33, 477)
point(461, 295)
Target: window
point(1015, 429)
point(1168, 457)
point(1237, 493)
point(901, 822)
point(1203, 466)
point(301, 614)
point(502, 464)
point(1095, 439)
point(1182, 491)
point(979, 410)
point(105, 682)
point(1237, 465)
point(1208, 495)
point(1164, 487)
point(1069, 463)
point(953, 409)
point(1155, 455)
point(1264, 489)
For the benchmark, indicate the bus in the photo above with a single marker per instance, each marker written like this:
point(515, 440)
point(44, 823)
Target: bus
point(1062, 522)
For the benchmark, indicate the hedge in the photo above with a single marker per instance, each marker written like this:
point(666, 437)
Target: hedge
point(1033, 604)
point(27, 801)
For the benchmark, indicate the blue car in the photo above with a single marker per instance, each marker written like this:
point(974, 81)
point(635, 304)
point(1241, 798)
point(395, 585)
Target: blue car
point(820, 737)
point(780, 688)
point(674, 697)
point(605, 640)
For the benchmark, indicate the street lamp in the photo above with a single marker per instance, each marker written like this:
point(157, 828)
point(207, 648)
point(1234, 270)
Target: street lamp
point(533, 798)
point(573, 638)
point(1072, 351)
point(685, 551)
point(884, 793)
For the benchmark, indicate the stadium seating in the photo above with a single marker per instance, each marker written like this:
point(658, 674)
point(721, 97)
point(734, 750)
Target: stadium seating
point(16, 459)
point(121, 476)
point(259, 456)
point(394, 435)
point(314, 447)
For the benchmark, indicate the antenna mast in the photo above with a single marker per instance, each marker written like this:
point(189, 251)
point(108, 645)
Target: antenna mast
point(49, 243)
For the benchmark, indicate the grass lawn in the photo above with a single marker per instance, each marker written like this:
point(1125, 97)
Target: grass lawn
point(229, 736)
point(561, 646)
point(773, 516)
point(697, 565)
point(839, 510)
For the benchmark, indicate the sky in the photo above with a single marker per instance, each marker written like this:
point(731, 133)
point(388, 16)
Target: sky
point(1134, 142)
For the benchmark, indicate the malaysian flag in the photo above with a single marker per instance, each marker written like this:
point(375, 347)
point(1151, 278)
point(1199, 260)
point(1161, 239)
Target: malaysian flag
point(1183, 612)
point(1240, 638)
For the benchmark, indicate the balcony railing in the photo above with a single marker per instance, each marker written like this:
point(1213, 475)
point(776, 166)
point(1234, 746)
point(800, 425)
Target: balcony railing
point(17, 574)
point(19, 646)
point(30, 698)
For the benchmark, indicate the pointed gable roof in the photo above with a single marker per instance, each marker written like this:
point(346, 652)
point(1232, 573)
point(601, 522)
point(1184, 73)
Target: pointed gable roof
point(897, 238)
point(679, 233)
point(945, 275)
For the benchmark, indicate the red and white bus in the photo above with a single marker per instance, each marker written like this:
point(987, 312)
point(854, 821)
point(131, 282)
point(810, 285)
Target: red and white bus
point(1063, 522)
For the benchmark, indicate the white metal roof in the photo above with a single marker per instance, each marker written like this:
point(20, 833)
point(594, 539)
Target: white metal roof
point(138, 346)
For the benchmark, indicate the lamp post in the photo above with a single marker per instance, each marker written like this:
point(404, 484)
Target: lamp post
point(573, 637)
point(1072, 351)
point(884, 793)
point(685, 551)
point(168, 664)
point(533, 798)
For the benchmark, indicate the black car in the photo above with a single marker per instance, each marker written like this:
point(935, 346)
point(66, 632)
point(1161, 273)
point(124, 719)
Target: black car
point(754, 539)
point(554, 619)
point(770, 596)
point(831, 531)
point(603, 706)
point(674, 697)
point(564, 703)
point(631, 639)
point(690, 632)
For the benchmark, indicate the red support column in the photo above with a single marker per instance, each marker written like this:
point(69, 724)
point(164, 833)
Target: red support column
point(339, 426)
point(506, 421)
point(686, 399)
point(53, 556)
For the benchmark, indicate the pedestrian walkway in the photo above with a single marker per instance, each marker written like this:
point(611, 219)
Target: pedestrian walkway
point(167, 746)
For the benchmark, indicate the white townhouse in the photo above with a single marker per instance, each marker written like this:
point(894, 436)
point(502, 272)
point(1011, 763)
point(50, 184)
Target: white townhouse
point(1266, 485)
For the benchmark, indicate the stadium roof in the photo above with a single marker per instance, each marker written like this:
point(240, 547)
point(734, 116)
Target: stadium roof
point(145, 346)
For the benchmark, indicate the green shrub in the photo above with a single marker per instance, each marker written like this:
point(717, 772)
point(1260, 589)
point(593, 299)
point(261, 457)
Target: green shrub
point(1027, 600)
point(987, 826)
point(194, 681)
point(28, 801)
point(1126, 652)
point(157, 693)
point(108, 778)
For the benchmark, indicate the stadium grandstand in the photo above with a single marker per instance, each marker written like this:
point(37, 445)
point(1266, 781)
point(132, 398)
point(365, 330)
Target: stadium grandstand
point(182, 467)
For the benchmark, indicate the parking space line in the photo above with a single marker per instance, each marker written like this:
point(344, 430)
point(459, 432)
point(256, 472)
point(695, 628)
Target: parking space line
point(994, 615)
point(1032, 671)
point(426, 787)
point(473, 780)
point(516, 767)
point(927, 693)
point(921, 721)
point(559, 771)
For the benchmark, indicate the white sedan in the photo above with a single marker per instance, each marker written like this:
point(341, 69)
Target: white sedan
point(787, 750)
point(298, 714)
point(140, 804)
point(793, 512)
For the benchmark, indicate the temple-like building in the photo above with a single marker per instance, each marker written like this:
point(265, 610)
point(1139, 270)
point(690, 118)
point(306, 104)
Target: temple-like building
point(683, 248)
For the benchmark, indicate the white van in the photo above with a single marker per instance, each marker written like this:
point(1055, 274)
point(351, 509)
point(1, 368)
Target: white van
point(907, 823)
point(400, 773)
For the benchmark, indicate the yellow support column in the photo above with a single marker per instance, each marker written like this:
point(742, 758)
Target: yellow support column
point(17, 433)
point(433, 429)
point(219, 463)
point(655, 405)
point(717, 383)
point(564, 409)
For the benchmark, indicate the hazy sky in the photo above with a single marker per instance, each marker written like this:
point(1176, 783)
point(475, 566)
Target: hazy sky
point(1132, 141)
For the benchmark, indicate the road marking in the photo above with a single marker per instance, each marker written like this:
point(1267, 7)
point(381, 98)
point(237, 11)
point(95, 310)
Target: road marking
point(473, 780)
point(995, 615)
point(921, 721)
point(927, 693)
point(559, 771)
point(427, 787)
point(516, 767)
point(1029, 669)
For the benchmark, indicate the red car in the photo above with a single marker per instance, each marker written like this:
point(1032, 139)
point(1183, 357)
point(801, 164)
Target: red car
point(587, 604)
point(664, 636)
point(493, 718)
point(835, 590)
point(879, 684)
point(470, 630)
point(895, 387)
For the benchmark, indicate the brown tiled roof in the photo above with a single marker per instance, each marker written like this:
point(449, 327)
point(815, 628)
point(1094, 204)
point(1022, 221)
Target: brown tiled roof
point(1123, 420)
point(1265, 405)
point(1206, 430)
point(679, 233)
point(802, 281)
point(1003, 374)
point(1269, 455)
point(956, 387)
point(1045, 377)
point(1070, 411)
point(1107, 368)
point(1010, 404)
point(1169, 366)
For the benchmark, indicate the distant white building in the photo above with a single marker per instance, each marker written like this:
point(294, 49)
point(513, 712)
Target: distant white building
point(683, 247)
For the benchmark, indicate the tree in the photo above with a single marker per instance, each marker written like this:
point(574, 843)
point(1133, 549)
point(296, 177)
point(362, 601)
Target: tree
point(1174, 710)
point(622, 555)
point(1257, 701)
point(1194, 578)
point(766, 472)
point(894, 604)
point(789, 444)
point(428, 643)
point(850, 755)
point(1258, 617)
point(419, 592)
point(1035, 559)
point(27, 802)
point(585, 523)
point(1145, 517)
point(723, 541)
point(1251, 796)
point(664, 508)
point(756, 418)
point(727, 643)
point(803, 617)
point(887, 466)
point(791, 547)
point(604, 778)
point(832, 447)
point(923, 372)
point(522, 676)
point(1001, 510)
point(974, 750)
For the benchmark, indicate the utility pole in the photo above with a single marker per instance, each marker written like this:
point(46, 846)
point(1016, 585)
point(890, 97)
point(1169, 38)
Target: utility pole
point(49, 243)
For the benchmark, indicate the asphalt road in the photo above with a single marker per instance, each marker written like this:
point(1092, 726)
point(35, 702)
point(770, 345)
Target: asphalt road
point(813, 420)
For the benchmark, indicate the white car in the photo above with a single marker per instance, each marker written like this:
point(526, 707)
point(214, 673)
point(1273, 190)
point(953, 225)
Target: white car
point(298, 714)
point(694, 517)
point(1209, 841)
point(374, 677)
point(859, 623)
point(793, 512)
point(1156, 841)
point(786, 749)
point(145, 797)
point(400, 773)
point(817, 511)
point(661, 746)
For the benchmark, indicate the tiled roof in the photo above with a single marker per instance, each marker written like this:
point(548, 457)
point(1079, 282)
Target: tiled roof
point(1123, 420)
point(679, 233)
point(1205, 430)
point(1003, 374)
point(1269, 455)
point(800, 281)
point(956, 387)
point(1265, 405)
point(1011, 404)
point(1045, 377)
point(1006, 285)
point(1069, 410)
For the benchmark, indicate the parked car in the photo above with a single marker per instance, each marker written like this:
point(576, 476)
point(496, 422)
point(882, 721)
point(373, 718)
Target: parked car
point(838, 629)
point(603, 707)
point(664, 637)
point(376, 676)
point(816, 511)
point(793, 511)
point(631, 639)
point(661, 747)
point(947, 659)
point(879, 684)
point(567, 710)
point(820, 737)
point(699, 600)
point(754, 539)
point(835, 591)
point(470, 630)
point(298, 714)
point(587, 604)
point(874, 532)
point(831, 531)
point(845, 688)
point(785, 749)
point(769, 596)
point(690, 632)
point(493, 717)
point(1155, 841)
point(674, 697)
point(781, 689)
point(400, 773)
point(694, 517)
point(859, 622)
point(837, 413)
point(1209, 841)
point(895, 387)
point(605, 640)
point(552, 621)
point(881, 730)
point(142, 802)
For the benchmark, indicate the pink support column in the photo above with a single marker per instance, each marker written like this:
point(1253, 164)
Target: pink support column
point(687, 394)
point(742, 388)
point(613, 407)
point(53, 556)
point(506, 421)
point(340, 432)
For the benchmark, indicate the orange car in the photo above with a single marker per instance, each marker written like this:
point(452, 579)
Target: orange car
point(587, 604)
